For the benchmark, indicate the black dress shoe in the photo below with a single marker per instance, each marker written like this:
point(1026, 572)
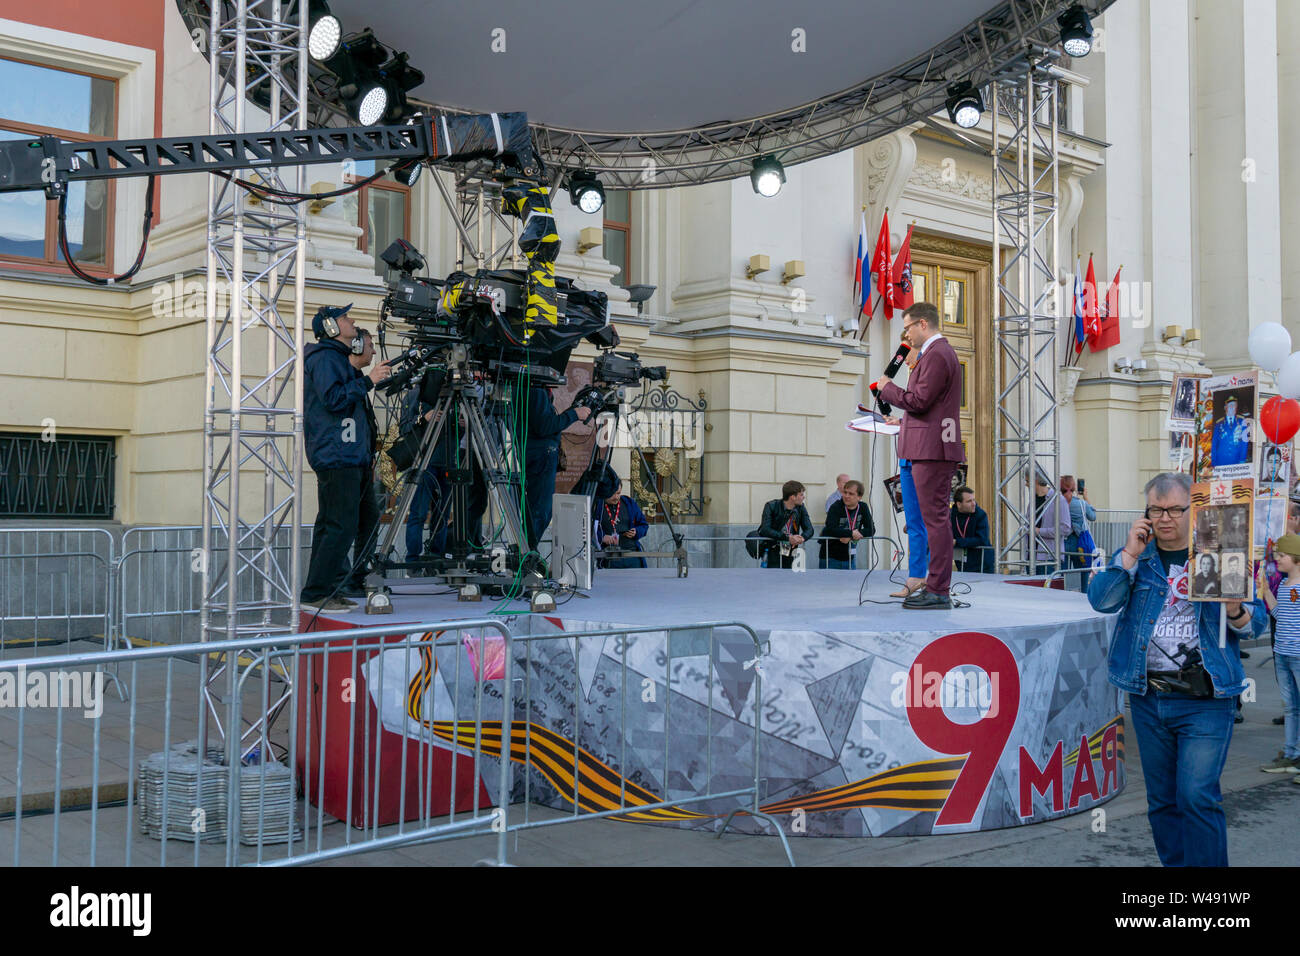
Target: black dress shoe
point(926, 600)
point(1279, 721)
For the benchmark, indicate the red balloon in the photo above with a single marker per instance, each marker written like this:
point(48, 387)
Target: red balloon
point(1280, 419)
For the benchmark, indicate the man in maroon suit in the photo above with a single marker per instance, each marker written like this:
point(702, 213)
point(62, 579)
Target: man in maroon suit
point(931, 440)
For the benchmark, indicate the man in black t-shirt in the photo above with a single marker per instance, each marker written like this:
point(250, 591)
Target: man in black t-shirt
point(848, 521)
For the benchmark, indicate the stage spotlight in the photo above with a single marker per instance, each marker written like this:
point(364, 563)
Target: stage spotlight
point(1076, 31)
point(399, 78)
point(369, 104)
point(586, 192)
point(964, 104)
point(767, 176)
point(324, 32)
point(408, 176)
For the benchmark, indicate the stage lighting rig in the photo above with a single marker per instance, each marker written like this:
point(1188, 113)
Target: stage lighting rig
point(965, 105)
point(768, 176)
point(586, 192)
point(1076, 31)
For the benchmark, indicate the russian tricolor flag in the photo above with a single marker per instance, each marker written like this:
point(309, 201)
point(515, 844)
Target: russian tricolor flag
point(862, 268)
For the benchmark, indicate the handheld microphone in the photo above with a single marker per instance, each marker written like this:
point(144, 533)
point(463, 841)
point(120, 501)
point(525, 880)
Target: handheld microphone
point(895, 363)
point(884, 406)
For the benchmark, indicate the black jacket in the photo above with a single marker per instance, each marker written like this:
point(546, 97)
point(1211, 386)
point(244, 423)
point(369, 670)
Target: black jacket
point(837, 526)
point(413, 410)
point(370, 418)
point(544, 423)
point(976, 537)
point(774, 520)
point(334, 394)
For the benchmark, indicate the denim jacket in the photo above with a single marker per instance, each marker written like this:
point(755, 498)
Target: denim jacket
point(1139, 595)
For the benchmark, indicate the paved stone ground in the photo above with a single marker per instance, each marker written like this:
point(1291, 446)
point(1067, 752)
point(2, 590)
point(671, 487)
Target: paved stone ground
point(1263, 815)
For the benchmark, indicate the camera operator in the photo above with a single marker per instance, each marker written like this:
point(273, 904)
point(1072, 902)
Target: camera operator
point(368, 509)
point(1165, 652)
point(338, 435)
point(542, 457)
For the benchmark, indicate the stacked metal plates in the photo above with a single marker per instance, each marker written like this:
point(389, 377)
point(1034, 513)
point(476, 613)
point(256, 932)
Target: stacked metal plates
point(265, 801)
point(266, 798)
point(195, 809)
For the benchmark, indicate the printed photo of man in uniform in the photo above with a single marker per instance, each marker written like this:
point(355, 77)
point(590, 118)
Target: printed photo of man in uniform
point(1234, 528)
point(1233, 578)
point(1230, 440)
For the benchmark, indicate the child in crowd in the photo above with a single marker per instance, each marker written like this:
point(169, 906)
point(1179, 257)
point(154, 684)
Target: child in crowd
point(1285, 608)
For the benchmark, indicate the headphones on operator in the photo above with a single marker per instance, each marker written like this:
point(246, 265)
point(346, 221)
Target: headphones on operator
point(325, 324)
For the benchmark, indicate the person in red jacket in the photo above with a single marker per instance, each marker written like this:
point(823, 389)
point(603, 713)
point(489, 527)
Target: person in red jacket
point(931, 440)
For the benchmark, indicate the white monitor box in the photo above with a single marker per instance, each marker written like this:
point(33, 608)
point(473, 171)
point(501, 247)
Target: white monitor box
point(571, 554)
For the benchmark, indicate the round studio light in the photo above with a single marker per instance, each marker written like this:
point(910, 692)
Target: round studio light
point(767, 176)
point(374, 103)
point(965, 105)
point(586, 192)
point(1076, 31)
point(409, 175)
point(324, 37)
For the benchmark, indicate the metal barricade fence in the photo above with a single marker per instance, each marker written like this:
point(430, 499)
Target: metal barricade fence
point(393, 733)
point(56, 587)
point(161, 584)
point(728, 551)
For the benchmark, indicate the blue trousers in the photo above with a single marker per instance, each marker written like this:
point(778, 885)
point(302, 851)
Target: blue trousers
point(431, 491)
point(1183, 743)
point(918, 544)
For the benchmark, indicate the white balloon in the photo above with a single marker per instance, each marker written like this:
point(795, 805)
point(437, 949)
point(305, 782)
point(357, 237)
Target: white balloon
point(1269, 345)
point(1288, 377)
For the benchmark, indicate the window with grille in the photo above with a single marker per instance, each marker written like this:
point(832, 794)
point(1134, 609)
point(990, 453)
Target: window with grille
point(67, 477)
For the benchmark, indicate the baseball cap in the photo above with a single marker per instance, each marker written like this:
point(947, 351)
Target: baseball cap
point(1288, 544)
point(327, 312)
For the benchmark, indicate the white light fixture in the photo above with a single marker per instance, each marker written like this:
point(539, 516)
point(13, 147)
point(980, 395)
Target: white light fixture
point(793, 270)
point(373, 106)
point(324, 37)
point(757, 266)
point(767, 176)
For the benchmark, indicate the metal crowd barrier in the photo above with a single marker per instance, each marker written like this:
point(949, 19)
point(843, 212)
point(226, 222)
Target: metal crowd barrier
point(736, 554)
point(56, 587)
point(161, 585)
point(96, 781)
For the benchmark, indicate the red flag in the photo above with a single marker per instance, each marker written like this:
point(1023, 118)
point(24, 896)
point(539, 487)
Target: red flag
point(1091, 324)
point(903, 273)
point(1108, 333)
point(880, 265)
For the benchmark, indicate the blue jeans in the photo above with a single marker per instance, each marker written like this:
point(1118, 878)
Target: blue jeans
point(835, 564)
point(430, 491)
point(918, 544)
point(1183, 743)
point(1287, 667)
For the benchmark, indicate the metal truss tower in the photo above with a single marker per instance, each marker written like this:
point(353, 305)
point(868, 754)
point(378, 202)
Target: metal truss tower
point(252, 424)
point(1026, 299)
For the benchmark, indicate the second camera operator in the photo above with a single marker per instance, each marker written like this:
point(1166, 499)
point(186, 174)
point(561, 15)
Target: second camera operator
point(542, 457)
point(337, 433)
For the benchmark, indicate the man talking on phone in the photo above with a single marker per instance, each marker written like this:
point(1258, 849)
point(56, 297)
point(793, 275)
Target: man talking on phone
point(1165, 652)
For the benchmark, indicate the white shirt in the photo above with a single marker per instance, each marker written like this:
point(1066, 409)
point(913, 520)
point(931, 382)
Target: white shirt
point(931, 339)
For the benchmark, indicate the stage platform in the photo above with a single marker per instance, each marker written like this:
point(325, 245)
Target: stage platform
point(875, 720)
